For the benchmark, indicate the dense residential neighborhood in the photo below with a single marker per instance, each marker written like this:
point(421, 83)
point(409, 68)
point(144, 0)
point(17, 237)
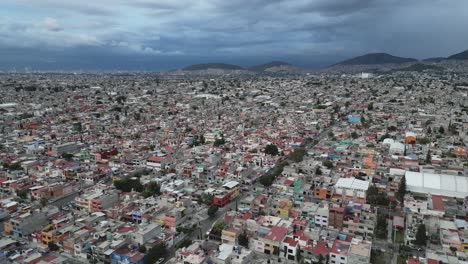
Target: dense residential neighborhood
point(142, 168)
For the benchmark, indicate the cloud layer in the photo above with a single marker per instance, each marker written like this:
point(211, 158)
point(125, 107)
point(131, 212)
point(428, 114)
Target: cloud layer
point(158, 33)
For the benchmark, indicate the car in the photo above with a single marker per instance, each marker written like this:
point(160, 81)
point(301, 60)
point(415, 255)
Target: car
point(161, 260)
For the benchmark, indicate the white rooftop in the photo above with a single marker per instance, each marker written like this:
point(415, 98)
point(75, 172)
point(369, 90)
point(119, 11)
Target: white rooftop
point(439, 184)
point(352, 183)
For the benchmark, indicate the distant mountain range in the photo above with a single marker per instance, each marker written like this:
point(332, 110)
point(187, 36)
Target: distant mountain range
point(271, 67)
point(206, 66)
point(376, 58)
point(373, 62)
point(419, 67)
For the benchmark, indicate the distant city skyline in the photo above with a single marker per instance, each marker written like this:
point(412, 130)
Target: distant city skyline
point(167, 34)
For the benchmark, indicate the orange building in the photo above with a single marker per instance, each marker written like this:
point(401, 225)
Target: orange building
point(410, 138)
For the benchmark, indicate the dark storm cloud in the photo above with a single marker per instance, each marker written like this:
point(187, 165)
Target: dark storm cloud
point(237, 30)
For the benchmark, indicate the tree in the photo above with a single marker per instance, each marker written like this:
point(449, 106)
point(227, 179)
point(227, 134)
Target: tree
point(271, 149)
point(52, 246)
point(374, 197)
point(142, 249)
point(428, 157)
point(129, 184)
point(441, 130)
point(212, 210)
point(44, 202)
point(381, 227)
point(185, 243)
point(151, 189)
point(243, 239)
point(421, 238)
point(328, 164)
point(218, 228)
point(298, 155)
point(13, 166)
point(400, 195)
point(321, 259)
point(207, 199)
point(23, 194)
point(67, 156)
point(370, 106)
point(354, 135)
point(318, 171)
point(219, 141)
point(155, 253)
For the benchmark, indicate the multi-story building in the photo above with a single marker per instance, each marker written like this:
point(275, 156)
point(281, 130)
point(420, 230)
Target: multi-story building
point(145, 233)
point(25, 224)
point(336, 217)
point(359, 251)
point(339, 252)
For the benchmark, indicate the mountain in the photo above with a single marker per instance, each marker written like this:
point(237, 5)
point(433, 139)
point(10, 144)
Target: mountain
point(218, 66)
point(419, 67)
point(436, 59)
point(375, 58)
point(459, 56)
point(266, 66)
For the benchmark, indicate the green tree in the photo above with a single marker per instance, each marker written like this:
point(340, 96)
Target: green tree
point(370, 106)
point(67, 156)
point(44, 202)
point(52, 246)
point(381, 230)
point(328, 164)
point(298, 155)
point(243, 239)
point(219, 141)
point(354, 135)
point(318, 171)
point(428, 157)
point(155, 253)
point(421, 238)
point(23, 194)
point(151, 189)
point(374, 197)
point(218, 228)
point(261, 212)
point(400, 195)
point(441, 130)
point(185, 243)
point(129, 184)
point(321, 259)
point(142, 249)
point(212, 210)
point(13, 166)
point(271, 149)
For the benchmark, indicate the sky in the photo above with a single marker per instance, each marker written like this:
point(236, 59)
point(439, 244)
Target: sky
point(170, 34)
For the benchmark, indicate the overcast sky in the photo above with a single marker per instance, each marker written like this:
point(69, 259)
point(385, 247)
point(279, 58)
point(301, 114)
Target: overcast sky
point(167, 34)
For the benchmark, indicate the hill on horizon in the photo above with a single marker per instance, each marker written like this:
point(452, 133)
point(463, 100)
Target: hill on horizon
point(375, 58)
point(420, 67)
point(265, 66)
point(459, 56)
point(206, 66)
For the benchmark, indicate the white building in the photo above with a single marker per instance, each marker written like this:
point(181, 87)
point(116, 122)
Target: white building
point(351, 188)
point(438, 184)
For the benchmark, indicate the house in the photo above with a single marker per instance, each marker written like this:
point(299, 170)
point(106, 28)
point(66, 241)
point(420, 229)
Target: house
point(339, 252)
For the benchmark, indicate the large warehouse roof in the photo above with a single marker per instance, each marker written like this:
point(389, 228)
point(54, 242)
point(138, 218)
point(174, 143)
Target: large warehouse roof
point(439, 184)
point(352, 183)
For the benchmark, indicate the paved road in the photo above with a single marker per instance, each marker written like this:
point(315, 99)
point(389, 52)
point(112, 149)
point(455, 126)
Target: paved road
point(206, 223)
point(64, 200)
